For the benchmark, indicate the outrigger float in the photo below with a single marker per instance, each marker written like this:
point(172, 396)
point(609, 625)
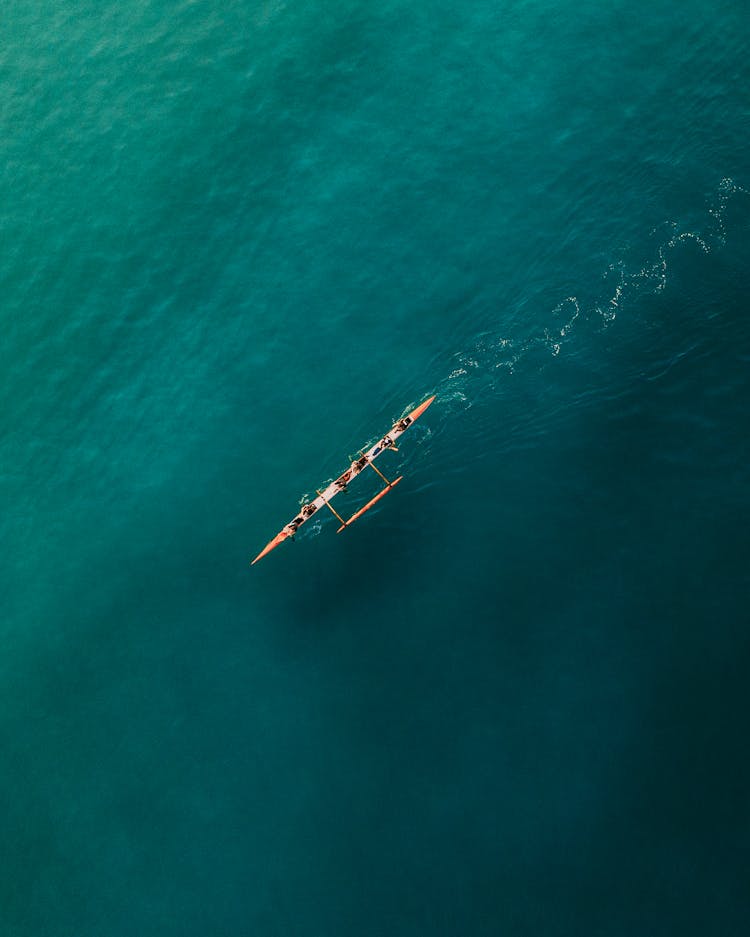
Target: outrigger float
point(357, 466)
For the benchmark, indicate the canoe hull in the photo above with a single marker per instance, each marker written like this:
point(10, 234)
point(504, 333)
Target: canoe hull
point(357, 466)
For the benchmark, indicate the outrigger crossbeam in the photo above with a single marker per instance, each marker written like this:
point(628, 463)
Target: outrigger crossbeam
point(333, 511)
point(335, 487)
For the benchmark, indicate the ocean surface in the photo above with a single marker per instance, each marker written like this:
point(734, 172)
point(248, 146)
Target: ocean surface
point(239, 240)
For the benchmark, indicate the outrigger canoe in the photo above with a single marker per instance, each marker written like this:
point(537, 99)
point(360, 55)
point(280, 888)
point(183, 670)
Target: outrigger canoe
point(357, 466)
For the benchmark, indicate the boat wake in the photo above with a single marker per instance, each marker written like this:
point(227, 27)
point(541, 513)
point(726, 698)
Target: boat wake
point(623, 283)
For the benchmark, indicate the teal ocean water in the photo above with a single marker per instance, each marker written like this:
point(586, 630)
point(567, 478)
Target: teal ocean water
point(239, 240)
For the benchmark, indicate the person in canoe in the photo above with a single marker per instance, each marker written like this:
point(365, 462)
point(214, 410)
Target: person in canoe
point(342, 481)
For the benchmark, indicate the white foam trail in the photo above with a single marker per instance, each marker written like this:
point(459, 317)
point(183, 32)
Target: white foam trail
point(622, 285)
